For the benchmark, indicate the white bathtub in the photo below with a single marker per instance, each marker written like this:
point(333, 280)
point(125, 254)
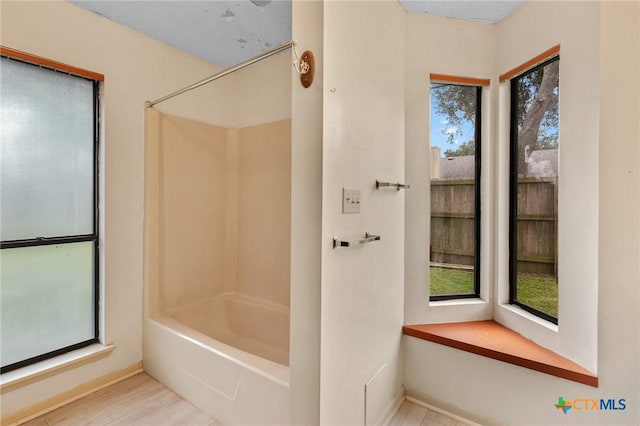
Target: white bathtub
point(202, 351)
point(252, 325)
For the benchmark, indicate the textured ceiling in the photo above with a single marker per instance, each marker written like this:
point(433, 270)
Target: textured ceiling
point(222, 32)
point(472, 10)
point(229, 32)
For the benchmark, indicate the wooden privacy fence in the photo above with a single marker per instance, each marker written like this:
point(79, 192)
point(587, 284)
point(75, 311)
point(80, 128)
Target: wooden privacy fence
point(453, 227)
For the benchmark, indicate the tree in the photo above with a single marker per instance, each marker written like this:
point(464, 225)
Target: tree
point(536, 110)
point(456, 103)
point(467, 148)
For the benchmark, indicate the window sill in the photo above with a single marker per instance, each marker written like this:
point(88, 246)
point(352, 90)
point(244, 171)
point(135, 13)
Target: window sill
point(457, 302)
point(492, 340)
point(42, 370)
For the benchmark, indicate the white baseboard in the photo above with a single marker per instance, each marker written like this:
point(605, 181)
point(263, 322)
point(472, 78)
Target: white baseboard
point(50, 404)
point(393, 407)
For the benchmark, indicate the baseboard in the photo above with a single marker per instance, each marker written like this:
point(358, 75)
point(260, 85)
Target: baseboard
point(393, 407)
point(464, 417)
point(43, 407)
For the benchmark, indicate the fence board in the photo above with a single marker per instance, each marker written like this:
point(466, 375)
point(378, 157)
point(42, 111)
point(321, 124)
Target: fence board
point(452, 223)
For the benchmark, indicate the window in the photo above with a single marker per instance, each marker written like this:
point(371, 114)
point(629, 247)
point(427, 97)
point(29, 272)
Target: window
point(533, 193)
point(454, 247)
point(48, 211)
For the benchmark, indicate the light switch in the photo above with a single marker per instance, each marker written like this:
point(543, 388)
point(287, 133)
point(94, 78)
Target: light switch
point(350, 201)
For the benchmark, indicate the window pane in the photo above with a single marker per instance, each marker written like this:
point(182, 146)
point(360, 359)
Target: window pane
point(48, 299)
point(535, 155)
point(46, 153)
point(453, 134)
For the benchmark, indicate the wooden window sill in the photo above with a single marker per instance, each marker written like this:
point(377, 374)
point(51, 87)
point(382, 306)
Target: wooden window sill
point(50, 367)
point(492, 340)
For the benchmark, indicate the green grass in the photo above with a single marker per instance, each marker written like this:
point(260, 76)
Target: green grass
point(450, 281)
point(538, 291)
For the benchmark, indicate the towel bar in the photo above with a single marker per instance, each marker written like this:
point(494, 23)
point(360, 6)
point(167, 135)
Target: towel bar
point(367, 239)
point(398, 186)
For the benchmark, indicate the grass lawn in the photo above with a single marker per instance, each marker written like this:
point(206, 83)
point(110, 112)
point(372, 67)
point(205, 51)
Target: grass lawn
point(450, 281)
point(538, 291)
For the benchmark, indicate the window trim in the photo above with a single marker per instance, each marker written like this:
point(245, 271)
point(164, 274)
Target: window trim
point(94, 237)
point(513, 189)
point(478, 84)
point(48, 63)
point(531, 63)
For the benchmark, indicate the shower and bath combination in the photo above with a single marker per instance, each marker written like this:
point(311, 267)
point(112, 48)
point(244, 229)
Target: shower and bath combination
point(217, 253)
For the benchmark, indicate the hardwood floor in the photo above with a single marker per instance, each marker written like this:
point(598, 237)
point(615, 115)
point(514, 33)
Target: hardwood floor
point(411, 414)
point(139, 400)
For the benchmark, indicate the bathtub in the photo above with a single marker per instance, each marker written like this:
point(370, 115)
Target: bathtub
point(226, 355)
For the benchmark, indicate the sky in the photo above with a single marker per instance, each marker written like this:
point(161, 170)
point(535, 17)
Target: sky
point(440, 128)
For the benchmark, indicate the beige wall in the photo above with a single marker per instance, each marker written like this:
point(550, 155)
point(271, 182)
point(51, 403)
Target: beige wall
point(619, 207)
point(262, 92)
point(136, 69)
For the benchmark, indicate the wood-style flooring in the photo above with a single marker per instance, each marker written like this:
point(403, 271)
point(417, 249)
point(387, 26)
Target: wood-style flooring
point(411, 414)
point(140, 400)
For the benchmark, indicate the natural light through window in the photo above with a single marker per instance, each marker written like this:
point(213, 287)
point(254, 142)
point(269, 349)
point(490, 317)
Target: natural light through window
point(454, 157)
point(49, 213)
point(533, 227)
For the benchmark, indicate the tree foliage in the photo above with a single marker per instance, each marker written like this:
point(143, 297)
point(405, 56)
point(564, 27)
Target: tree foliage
point(536, 110)
point(467, 148)
point(456, 103)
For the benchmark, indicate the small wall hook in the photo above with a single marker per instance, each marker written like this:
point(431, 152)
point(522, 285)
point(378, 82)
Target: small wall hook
point(299, 64)
point(304, 65)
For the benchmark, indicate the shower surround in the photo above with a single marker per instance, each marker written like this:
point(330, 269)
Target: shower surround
point(217, 265)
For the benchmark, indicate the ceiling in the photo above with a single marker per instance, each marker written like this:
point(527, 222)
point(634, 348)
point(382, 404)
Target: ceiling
point(229, 32)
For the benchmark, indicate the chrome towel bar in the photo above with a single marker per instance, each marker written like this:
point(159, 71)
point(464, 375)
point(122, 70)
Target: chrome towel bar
point(398, 186)
point(367, 239)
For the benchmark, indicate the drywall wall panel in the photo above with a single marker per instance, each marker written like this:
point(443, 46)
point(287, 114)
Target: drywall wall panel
point(306, 219)
point(262, 91)
point(528, 31)
point(619, 209)
point(457, 48)
point(362, 286)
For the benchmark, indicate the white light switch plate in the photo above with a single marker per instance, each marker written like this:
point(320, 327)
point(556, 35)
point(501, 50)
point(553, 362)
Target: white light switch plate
point(350, 201)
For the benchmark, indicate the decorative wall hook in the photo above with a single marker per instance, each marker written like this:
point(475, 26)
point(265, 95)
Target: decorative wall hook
point(304, 65)
point(299, 64)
